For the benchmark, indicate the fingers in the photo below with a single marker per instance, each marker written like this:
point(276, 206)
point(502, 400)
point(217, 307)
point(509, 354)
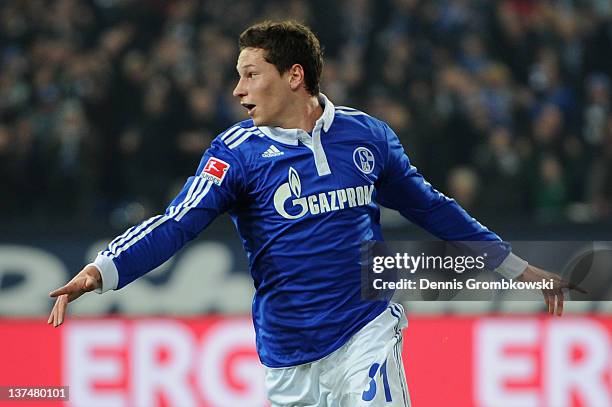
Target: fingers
point(67, 289)
point(76, 287)
point(59, 308)
point(51, 315)
point(551, 303)
point(59, 311)
point(560, 303)
point(70, 292)
point(555, 298)
point(554, 302)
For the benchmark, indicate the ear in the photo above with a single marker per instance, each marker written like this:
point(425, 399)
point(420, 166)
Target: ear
point(296, 76)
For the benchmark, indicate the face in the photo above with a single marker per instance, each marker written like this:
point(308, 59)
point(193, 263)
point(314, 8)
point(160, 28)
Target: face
point(261, 89)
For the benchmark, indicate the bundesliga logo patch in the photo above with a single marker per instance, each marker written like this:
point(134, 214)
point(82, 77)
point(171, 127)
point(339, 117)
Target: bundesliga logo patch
point(215, 170)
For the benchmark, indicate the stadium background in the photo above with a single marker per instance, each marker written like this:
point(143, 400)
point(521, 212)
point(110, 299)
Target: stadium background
point(107, 105)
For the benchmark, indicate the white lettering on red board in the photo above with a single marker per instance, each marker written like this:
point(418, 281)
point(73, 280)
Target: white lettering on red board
point(569, 359)
point(118, 363)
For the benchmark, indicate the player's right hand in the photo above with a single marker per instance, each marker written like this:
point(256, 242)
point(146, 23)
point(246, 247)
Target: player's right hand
point(87, 280)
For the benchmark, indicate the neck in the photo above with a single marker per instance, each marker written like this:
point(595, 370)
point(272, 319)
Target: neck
point(303, 114)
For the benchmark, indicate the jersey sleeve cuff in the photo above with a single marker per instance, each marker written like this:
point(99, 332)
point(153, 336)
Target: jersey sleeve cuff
point(108, 270)
point(512, 266)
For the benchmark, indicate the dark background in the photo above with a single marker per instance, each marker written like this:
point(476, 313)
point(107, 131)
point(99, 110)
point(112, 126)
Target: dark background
point(106, 106)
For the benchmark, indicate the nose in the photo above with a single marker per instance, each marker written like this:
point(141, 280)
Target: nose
point(239, 90)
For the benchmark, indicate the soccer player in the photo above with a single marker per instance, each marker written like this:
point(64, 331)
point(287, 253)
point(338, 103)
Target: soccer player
point(302, 180)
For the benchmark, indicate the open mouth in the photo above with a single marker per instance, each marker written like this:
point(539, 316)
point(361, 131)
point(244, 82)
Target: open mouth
point(249, 106)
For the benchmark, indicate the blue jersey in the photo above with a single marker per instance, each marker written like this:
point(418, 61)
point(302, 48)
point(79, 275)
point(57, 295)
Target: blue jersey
point(303, 203)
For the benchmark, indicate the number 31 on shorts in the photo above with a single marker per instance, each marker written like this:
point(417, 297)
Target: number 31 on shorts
point(370, 392)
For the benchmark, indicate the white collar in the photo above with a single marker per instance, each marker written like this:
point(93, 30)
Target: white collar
point(291, 136)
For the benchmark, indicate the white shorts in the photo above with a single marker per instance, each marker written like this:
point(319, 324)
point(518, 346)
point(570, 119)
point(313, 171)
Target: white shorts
point(365, 371)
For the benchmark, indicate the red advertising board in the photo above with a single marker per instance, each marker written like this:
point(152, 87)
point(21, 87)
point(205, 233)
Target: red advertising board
point(467, 361)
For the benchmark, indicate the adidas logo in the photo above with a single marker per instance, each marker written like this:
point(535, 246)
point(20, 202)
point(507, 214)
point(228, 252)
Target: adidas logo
point(272, 151)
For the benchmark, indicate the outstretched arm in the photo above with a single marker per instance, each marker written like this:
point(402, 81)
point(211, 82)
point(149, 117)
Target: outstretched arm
point(404, 189)
point(215, 187)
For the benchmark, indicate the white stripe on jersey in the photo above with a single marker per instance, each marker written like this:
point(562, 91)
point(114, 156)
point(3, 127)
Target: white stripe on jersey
point(130, 233)
point(255, 131)
point(134, 234)
point(195, 202)
point(115, 240)
point(188, 201)
point(240, 140)
point(197, 191)
point(161, 219)
point(352, 112)
point(230, 132)
point(238, 134)
point(139, 237)
point(192, 188)
point(234, 136)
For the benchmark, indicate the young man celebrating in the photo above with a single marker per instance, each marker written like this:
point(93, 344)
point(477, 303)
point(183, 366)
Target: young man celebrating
point(302, 181)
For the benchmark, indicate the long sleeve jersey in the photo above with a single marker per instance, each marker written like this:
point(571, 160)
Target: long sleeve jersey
point(303, 203)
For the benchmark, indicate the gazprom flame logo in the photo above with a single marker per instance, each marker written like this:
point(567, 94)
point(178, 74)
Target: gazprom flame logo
point(294, 182)
point(286, 191)
point(321, 202)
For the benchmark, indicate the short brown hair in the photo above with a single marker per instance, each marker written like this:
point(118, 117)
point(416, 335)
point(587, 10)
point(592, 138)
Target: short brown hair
point(286, 43)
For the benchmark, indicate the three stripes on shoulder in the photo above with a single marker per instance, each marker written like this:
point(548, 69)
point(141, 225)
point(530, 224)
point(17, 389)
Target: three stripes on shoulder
point(238, 135)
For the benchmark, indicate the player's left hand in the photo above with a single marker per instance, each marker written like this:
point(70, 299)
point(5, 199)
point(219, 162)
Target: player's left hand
point(553, 297)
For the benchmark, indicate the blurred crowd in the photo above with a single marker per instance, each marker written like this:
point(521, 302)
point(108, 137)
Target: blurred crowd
point(106, 106)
